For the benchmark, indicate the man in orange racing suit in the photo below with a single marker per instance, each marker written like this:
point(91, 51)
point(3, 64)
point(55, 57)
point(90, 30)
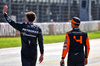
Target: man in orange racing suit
point(75, 42)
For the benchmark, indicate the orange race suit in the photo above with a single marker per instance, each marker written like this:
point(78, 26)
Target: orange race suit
point(75, 42)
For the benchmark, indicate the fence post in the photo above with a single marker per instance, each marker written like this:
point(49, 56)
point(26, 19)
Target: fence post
point(90, 16)
point(97, 9)
point(60, 11)
point(24, 9)
point(37, 13)
point(69, 9)
point(9, 8)
point(49, 11)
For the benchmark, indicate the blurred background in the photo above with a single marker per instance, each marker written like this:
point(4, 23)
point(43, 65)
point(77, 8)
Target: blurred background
point(52, 10)
point(52, 18)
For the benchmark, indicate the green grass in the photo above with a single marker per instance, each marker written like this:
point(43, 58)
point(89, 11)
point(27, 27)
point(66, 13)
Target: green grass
point(94, 35)
point(53, 38)
point(10, 42)
point(15, 42)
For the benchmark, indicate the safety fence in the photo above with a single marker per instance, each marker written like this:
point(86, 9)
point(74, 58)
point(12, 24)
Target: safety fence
point(50, 28)
point(52, 10)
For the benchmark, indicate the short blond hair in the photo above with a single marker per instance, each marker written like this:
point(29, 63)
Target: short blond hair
point(31, 16)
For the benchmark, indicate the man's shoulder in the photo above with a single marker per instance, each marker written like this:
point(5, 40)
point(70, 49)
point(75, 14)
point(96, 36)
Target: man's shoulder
point(81, 32)
point(69, 32)
point(36, 27)
point(84, 32)
point(23, 23)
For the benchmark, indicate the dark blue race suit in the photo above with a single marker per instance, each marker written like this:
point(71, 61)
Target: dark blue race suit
point(29, 34)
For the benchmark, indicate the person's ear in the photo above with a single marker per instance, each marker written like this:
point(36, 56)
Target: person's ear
point(26, 18)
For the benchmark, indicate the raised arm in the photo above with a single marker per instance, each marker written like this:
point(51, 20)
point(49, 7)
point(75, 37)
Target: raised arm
point(10, 21)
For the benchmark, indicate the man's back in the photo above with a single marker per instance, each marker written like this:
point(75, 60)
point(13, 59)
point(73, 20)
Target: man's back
point(29, 35)
point(77, 40)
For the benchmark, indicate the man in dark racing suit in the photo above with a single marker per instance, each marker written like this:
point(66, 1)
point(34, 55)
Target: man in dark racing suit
point(74, 44)
point(29, 35)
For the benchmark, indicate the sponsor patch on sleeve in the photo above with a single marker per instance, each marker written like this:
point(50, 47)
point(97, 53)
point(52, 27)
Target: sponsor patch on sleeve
point(65, 43)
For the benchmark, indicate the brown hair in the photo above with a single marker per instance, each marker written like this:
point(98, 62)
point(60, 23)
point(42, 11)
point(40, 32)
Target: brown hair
point(31, 16)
